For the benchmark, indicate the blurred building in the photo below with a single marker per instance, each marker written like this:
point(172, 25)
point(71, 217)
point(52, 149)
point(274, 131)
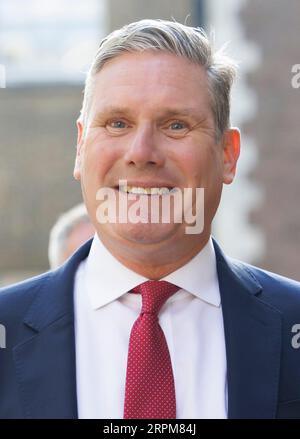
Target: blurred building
point(46, 48)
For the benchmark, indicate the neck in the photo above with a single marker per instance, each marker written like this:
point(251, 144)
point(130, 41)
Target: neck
point(155, 261)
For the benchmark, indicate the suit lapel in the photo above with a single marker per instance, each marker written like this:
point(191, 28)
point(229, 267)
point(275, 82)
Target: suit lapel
point(45, 358)
point(253, 342)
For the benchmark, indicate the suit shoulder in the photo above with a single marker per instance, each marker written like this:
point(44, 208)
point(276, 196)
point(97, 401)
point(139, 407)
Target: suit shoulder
point(265, 275)
point(16, 297)
point(278, 290)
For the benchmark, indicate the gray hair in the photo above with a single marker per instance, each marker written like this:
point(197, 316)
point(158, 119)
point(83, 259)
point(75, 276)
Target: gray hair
point(178, 39)
point(62, 230)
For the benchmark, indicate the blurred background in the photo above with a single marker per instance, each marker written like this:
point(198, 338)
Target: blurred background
point(45, 50)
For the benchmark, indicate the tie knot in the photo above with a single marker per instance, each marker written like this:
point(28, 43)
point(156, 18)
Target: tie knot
point(154, 294)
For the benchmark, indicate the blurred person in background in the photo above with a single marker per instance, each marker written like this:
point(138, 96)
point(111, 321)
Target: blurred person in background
point(70, 231)
point(146, 320)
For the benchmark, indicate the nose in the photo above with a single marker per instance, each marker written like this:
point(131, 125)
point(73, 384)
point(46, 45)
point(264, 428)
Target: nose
point(144, 149)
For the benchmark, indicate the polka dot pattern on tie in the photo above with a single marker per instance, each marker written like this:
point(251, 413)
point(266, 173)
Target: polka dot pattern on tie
point(150, 388)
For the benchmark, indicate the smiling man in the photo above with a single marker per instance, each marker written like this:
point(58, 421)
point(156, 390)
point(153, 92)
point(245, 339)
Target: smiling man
point(151, 123)
point(146, 320)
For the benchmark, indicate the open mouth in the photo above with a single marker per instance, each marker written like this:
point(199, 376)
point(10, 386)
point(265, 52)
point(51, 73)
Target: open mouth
point(139, 190)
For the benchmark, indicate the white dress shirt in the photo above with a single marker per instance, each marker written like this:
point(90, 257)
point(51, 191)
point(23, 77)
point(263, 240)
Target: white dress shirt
point(191, 319)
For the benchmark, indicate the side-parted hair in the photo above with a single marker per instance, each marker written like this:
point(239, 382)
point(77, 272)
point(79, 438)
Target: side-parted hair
point(175, 38)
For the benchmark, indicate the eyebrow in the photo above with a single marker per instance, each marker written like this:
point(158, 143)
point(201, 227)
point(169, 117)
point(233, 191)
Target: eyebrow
point(163, 113)
point(112, 110)
point(179, 112)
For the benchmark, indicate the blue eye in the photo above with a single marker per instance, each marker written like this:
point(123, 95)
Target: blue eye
point(177, 126)
point(118, 124)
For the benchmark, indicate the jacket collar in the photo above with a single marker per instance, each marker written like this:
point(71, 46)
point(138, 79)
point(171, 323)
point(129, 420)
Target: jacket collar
point(55, 297)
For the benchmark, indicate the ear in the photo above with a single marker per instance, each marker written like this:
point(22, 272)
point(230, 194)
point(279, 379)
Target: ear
point(77, 167)
point(231, 152)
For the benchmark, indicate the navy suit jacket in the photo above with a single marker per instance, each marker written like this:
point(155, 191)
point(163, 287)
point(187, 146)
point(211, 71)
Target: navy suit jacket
point(38, 368)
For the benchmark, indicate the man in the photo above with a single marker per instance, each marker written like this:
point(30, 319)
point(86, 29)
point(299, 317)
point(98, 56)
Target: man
point(148, 320)
point(70, 231)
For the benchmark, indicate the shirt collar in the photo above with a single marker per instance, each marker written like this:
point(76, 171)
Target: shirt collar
point(106, 279)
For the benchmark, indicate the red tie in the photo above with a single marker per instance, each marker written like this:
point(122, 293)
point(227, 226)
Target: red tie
point(150, 389)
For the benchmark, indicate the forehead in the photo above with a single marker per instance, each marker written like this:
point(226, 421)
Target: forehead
point(150, 78)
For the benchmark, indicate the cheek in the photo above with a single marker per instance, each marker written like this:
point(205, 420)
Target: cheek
point(185, 157)
point(194, 163)
point(98, 159)
point(202, 166)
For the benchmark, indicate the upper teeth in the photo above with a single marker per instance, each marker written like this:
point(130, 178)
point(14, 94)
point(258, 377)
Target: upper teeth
point(145, 190)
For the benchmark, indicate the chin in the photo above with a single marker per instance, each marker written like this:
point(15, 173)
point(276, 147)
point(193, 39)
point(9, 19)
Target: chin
point(146, 233)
